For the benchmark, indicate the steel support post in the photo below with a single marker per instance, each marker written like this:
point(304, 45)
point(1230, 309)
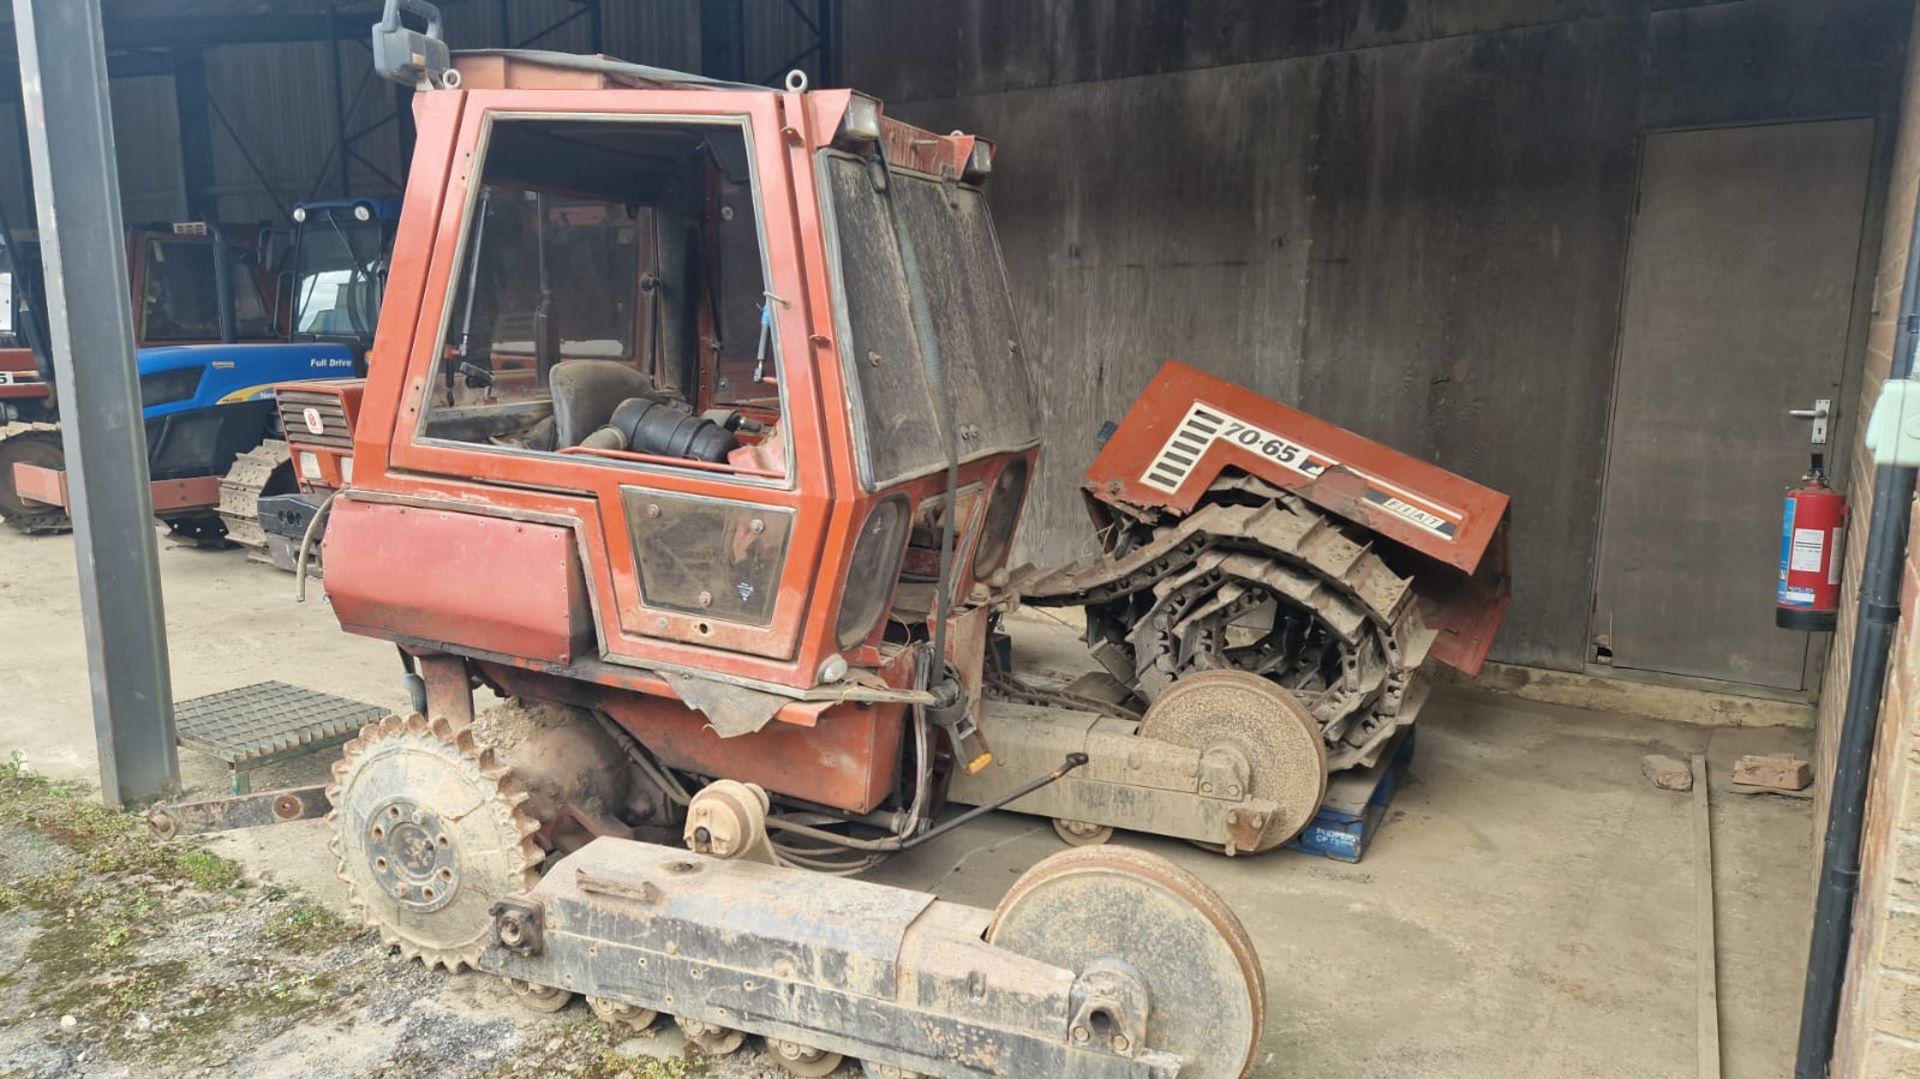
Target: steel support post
point(723, 39)
point(828, 28)
point(196, 134)
point(63, 79)
point(341, 159)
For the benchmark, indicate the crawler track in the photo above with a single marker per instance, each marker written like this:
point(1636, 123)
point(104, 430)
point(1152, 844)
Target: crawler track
point(1255, 579)
point(265, 469)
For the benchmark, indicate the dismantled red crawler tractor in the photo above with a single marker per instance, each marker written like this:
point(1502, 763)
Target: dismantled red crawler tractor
point(697, 425)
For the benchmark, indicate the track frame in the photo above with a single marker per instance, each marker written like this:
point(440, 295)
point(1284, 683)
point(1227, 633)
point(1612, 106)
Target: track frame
point(885, 975)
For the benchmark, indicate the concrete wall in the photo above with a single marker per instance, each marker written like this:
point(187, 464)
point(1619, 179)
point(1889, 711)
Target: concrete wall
point(1407, 216)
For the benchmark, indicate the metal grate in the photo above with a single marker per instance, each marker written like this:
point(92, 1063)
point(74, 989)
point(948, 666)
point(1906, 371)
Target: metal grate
point(301, 411)
point(269, 721)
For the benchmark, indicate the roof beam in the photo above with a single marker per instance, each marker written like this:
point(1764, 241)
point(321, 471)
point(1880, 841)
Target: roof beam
point(182, 33)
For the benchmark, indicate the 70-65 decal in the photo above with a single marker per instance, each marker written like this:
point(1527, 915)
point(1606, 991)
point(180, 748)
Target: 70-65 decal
point(1293, 455)
point(1204, 426)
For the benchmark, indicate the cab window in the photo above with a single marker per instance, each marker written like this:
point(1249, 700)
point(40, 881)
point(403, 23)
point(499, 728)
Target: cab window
point(181, 297)
point(607, 300)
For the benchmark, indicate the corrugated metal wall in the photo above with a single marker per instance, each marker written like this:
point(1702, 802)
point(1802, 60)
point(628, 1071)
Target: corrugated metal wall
point(274, 134)
point(778, 37)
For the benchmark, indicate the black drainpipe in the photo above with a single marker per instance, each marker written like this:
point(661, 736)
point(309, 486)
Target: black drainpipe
point(1879, 614)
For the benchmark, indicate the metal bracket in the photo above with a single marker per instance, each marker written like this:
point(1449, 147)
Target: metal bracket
point(411, 57)
point(1223, 773)
point(175, 819)
point(519, 927)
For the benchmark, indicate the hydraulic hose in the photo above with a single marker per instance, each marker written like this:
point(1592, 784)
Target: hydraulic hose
point(1874, 625)
point(314, 524)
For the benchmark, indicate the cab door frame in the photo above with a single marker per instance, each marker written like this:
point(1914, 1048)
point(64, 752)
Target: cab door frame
point(631, 630)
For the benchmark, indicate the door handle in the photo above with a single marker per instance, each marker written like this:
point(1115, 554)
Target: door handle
point(1821, 409)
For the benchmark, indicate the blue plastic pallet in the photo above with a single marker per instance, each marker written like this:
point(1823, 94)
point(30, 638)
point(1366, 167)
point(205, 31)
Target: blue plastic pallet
point(1356, 803)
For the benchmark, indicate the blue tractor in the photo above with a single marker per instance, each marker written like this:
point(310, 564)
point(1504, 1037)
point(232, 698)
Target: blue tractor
point(213, 440)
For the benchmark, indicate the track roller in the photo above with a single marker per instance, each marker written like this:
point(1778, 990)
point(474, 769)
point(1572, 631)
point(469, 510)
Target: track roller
point(802, 1060)
point(539, 998)
point(621, 1019)
point(1079, 833)
point(710, 1038)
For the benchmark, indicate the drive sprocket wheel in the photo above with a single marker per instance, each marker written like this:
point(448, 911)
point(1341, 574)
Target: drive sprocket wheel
point(1286, 757)
point(1208, 997)
point(429, 833)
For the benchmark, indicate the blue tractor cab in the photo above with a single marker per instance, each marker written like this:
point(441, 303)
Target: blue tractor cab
point(211, 425)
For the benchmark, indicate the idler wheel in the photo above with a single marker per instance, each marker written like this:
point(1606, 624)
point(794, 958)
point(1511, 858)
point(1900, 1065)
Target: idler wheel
point(1276, 735)
point(1208, 998)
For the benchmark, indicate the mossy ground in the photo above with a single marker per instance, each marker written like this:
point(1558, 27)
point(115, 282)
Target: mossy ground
point(123, 955)
point(109, 892)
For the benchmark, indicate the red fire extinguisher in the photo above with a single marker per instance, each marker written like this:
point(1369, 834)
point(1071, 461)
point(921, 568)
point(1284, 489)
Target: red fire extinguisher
point(1812, 534)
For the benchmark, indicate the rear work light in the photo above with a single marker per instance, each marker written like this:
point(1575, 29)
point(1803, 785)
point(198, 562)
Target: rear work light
point(862, 121)
point(872, 571)
point(979, 160)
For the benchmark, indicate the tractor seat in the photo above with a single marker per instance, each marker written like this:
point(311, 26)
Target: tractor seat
point(585, 393)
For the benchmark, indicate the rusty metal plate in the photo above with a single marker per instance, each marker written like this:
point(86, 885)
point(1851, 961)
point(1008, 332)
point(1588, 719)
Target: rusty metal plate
point(432, 575)
point(37, 483)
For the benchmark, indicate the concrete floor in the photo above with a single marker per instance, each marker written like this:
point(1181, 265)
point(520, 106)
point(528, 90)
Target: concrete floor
point(1527, 911)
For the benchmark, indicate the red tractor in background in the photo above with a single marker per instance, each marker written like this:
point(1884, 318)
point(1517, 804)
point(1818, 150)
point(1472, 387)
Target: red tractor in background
point(191, 284)
point(172, 272)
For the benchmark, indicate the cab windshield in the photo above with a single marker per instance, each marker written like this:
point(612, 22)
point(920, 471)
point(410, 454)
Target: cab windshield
point(613, 270)
point(337, 275)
